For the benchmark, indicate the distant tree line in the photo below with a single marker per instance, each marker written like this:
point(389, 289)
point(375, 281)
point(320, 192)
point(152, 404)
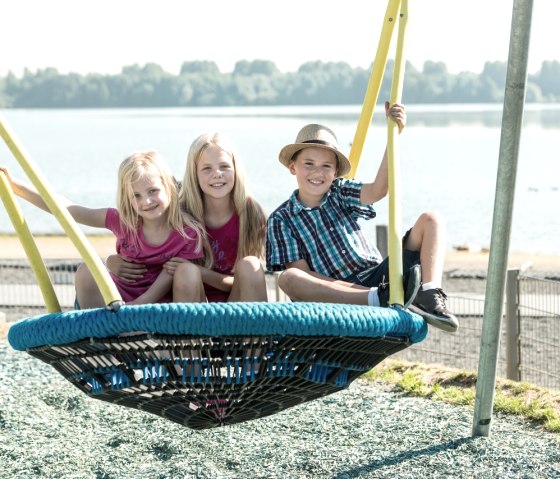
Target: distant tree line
point(259, 82)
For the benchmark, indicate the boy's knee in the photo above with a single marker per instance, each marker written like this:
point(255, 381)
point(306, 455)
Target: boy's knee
point(434, 218)
point(288, 281)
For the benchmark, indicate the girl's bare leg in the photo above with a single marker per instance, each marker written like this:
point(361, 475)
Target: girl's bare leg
point(87, 292)
point(187, 284)
point(249, 283)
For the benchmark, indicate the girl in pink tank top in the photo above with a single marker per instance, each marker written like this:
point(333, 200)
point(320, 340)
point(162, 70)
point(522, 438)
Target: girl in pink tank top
point(149, 227)
point(213, 192)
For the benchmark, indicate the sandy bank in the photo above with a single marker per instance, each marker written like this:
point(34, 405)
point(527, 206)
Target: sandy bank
point(55, 246)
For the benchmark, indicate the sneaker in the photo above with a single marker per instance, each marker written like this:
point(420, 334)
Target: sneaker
point(411, 284)
point(432, 306)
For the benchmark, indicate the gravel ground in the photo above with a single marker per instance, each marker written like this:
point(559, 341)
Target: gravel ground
point(48, 429)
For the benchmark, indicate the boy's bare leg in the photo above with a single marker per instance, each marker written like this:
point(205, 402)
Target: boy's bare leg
point(249, 283)
point(428, 237)
point(300, 285)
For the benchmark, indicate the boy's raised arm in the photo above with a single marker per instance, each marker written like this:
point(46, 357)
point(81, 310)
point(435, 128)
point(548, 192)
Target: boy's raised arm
point(378, 189)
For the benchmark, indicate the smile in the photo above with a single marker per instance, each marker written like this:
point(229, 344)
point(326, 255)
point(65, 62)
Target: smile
point(316, 182)
point(150, 208)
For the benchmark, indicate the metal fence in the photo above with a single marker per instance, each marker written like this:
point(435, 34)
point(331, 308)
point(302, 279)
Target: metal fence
point(530, 339)
point(530, 335)
point(21, 297)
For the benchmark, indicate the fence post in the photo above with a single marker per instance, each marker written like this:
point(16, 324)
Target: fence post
point(382, 239)
point(513, 356)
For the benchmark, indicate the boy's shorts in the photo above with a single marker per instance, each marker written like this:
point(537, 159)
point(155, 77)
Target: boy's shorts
point(374, 276)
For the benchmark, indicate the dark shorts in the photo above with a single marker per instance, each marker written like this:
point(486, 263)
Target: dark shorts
point(374, 276)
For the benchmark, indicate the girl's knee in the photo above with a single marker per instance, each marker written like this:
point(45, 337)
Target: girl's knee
point(83, 278)
point(249, 265)
point(187, 284)
point(87, 291)
point(186, 273)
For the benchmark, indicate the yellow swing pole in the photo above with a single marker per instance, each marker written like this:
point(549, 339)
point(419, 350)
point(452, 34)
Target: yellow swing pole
point(29, 245)
point(396, 293)
point(106, 285)
point(374, 85)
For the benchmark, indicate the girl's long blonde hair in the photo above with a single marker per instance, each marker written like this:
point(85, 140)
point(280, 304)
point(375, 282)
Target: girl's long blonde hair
point(142, 164)
point(252, 219)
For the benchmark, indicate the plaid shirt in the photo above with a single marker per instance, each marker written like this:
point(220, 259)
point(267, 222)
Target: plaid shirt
point(328, 236)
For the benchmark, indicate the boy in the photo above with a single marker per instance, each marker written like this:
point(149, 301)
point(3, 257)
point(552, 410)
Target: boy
point(316, 239)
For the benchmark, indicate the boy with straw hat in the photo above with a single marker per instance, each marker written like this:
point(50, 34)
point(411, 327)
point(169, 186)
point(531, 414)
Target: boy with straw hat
point(315, 239)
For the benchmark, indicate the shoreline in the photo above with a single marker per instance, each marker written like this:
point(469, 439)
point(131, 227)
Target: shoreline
point(60, 247)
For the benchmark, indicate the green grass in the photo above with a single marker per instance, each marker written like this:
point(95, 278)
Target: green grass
point(452, 386)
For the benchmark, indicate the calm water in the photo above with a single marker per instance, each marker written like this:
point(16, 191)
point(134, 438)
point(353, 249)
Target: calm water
point(449, 156)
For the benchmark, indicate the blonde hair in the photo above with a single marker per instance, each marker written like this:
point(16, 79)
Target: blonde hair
point(252, 219)
point(142, 164)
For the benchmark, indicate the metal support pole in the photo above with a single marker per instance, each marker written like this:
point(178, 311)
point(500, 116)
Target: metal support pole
point(512, 326)
point(374, 85)
point(503, 206)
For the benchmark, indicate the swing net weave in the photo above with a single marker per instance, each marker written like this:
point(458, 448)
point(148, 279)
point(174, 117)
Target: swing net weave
point(209, 365)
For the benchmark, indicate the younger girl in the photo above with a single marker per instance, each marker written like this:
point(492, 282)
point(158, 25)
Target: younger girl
point(148, 225)
point(213, 192)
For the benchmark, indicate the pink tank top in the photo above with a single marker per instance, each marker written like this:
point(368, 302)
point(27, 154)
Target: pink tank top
point(224, 242)
point(153, 257)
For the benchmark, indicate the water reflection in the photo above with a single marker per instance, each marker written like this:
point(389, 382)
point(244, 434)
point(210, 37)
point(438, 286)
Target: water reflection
point(435, 115)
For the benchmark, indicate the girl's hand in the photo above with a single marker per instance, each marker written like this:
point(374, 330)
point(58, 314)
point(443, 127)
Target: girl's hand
point(396, 113)
point(4, 170)
point(124, 269)
point(171, 265)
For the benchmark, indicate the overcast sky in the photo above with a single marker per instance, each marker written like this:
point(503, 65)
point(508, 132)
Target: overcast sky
point(105, 35)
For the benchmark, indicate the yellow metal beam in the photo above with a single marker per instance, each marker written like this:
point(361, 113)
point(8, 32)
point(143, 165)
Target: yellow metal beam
point(106, 285)
point(29, 245)
point(374, 85)
point(396, 293)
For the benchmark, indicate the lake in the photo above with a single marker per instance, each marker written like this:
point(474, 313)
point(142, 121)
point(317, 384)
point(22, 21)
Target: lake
point(449, 157)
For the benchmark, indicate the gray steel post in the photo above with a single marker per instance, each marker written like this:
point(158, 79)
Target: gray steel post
point(503, 205)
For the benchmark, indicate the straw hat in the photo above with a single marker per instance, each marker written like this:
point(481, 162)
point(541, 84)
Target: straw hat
point(316, 136)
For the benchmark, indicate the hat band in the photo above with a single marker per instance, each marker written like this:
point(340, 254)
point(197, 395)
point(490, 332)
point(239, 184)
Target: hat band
point(322, 142)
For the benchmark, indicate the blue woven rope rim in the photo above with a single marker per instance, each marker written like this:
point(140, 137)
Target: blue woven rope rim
point(219, 319)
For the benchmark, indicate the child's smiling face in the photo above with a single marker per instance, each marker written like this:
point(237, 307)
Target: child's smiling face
point(315, 169)
point(150, 199)
point(216, 172)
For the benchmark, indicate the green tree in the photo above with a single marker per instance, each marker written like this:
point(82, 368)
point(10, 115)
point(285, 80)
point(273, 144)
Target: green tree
point(548, 79)
point(256, 67)
point(200, 66)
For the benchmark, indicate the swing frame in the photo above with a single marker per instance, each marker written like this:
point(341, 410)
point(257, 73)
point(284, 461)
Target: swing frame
point(208, 365)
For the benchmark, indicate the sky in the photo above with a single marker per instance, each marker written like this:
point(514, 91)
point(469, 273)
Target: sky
point(105, 35)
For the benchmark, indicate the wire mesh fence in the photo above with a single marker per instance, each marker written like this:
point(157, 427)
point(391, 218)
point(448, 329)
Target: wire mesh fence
point(20, 296)
point(539, 330)
point(529, 343)
point(459, 350)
